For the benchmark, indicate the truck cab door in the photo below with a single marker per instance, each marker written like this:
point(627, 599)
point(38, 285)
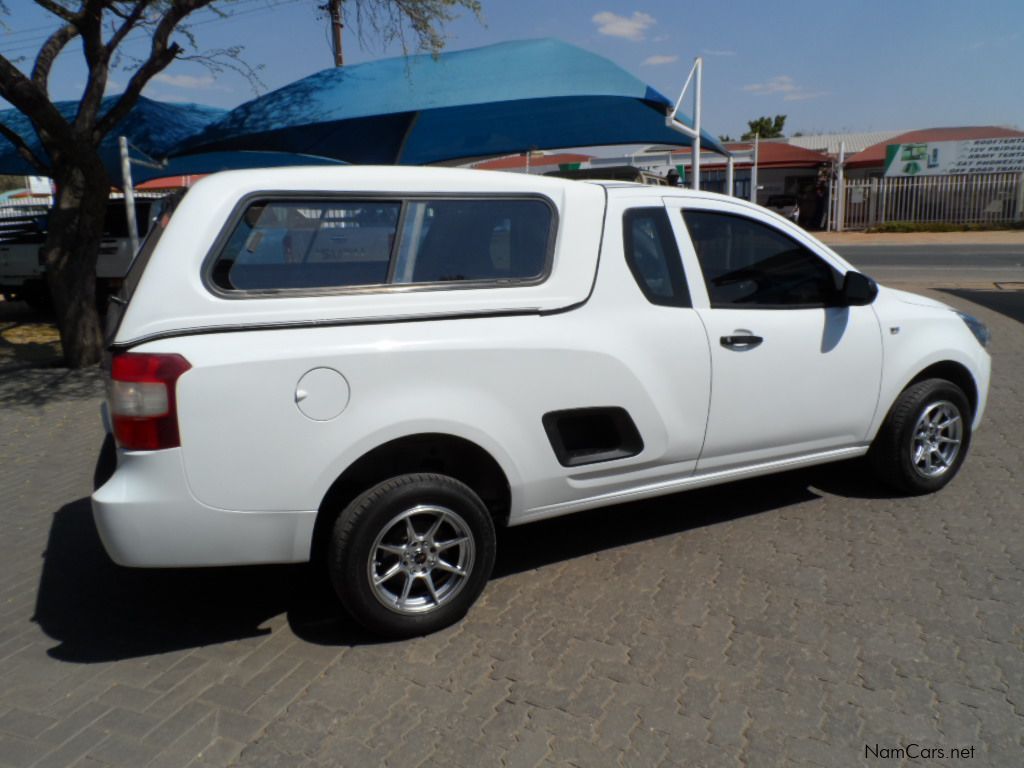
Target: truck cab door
point(794, 372)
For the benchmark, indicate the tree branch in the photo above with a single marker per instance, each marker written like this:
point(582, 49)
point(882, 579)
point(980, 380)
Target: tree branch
point(48, 53)
point(160, 55)
point(97, 58)
point(24, 150)
point(130, 20)
point(57, 9)
point(33, 102)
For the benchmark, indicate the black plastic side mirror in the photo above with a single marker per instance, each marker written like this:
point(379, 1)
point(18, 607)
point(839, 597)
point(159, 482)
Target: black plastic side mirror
point(858, 289)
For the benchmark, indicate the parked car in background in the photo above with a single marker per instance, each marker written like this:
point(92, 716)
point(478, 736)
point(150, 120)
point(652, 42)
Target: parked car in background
point(23, 272)
point(378, 368)
point(22, 233)
point(786, 206)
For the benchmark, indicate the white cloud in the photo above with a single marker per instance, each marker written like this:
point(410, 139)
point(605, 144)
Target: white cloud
point(655, 61)
point(716, 52)
point(630, 27)
point(783, 84)
point(194, 82)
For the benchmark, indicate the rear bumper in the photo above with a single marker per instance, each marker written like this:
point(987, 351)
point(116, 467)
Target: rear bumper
point(147, 517)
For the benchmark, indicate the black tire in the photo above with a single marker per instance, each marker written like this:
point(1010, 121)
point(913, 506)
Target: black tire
point(893, 452)
point(372, 530)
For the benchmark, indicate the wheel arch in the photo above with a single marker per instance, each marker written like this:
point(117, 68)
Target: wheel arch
point(433, 452)
point(951, 371)
point(946, 368)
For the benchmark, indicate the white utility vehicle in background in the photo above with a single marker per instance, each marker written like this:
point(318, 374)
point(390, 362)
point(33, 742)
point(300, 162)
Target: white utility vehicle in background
point(23, 273)
point(381, 366)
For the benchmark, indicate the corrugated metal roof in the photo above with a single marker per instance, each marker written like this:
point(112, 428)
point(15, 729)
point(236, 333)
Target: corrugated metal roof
point(829, 142)
point(770, 154)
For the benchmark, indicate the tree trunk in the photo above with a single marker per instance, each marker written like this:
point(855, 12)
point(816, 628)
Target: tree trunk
point(71, 250)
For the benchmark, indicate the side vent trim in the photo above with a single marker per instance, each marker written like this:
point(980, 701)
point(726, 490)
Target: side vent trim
point(592, 435)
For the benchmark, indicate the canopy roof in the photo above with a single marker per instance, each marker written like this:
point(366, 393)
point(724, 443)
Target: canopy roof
point(509, 97)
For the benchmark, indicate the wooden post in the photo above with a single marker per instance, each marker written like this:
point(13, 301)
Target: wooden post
point(334, 9)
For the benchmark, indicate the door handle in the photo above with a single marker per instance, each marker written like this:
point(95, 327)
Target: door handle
point(748, 341)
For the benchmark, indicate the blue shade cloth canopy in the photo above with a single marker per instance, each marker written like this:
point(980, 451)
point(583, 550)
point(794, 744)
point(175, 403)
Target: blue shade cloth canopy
point(212, 162)
point(151, 127)
point(499, 99)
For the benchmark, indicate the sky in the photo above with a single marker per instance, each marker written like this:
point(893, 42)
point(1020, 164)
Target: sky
point(828, 66)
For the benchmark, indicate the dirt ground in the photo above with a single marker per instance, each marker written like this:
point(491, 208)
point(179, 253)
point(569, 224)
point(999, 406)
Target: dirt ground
point(27, 338)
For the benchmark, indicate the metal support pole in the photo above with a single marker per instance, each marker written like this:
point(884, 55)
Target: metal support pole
point(697, 76)
point(840, 218)
point(1019, 214)
point(753, 169)
point(730, 170)
point(699, 64)
point(129, 194)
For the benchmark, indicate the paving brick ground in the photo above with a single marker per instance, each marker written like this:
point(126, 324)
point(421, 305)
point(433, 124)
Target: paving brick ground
point(787, 621)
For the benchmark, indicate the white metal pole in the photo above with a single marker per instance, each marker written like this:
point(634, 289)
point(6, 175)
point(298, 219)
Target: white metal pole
point(699, 63)
point(753, 169)
point(729, 175)
point(129, 194)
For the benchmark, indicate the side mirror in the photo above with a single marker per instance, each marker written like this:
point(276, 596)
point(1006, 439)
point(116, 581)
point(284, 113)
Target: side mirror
point(858, 289)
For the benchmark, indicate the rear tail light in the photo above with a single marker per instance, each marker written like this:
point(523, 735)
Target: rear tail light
point(142, 400)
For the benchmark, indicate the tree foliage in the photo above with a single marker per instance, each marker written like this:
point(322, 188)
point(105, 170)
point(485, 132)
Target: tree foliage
point(411, 23)
point(765, 127)
point(72, 159)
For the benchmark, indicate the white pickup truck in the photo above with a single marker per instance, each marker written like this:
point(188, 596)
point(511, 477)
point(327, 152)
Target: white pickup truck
point(381, 367)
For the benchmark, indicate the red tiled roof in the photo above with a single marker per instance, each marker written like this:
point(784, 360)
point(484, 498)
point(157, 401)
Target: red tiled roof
point(170, 182)
point(519, 161)
point(875, 154)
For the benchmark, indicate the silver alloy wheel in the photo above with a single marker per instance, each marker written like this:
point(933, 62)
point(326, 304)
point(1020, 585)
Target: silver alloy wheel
point(421, 559)
point(938, 435)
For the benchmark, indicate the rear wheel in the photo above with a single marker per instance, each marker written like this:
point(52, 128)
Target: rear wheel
point(412, 554)
point(924, 440)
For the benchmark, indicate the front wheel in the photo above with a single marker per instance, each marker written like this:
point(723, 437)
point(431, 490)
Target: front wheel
point(924, 439)
point(412, 554)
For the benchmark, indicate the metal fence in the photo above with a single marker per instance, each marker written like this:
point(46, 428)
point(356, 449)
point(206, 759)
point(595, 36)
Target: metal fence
point(13, 209)
point(989, 198)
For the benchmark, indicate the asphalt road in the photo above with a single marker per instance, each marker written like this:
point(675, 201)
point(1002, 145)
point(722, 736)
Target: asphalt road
point(938, 263)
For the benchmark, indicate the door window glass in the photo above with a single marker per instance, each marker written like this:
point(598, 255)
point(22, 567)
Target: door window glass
point(749, 264)
point(653, 256)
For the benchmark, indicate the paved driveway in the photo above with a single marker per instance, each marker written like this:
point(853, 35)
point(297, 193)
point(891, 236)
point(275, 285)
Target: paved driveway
point(798, 620)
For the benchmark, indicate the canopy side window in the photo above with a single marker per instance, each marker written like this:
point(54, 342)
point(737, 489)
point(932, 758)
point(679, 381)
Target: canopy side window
point(289, 245)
